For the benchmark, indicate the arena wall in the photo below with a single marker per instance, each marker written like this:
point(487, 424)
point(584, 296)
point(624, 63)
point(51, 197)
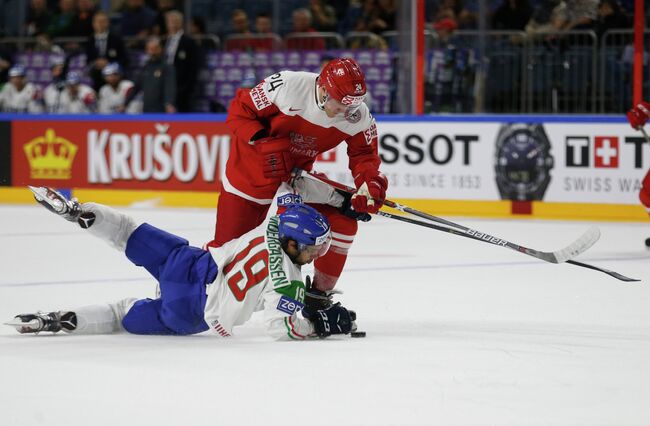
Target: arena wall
point(565, 167)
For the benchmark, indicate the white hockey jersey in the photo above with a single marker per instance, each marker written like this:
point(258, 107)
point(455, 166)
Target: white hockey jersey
point(111, 98)
point(26, 100)
point(256, 274)
point(59, 101)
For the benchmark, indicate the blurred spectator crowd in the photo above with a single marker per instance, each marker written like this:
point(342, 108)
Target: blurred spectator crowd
point(147, 56)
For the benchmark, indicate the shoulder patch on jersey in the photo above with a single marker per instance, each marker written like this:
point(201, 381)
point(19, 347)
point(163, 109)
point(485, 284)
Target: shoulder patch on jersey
point(370, 133)
point(355, 117)
point(260, 97)
point(289, 199)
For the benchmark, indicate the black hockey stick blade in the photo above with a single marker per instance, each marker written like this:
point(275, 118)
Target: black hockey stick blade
point(606, 271)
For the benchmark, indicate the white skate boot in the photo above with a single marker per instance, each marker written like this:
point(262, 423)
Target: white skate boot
point(43, 321)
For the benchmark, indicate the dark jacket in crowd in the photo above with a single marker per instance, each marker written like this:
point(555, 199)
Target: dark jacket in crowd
point(157, 82)
point(136, 20)
point(82, 24)
point(509, 18)
point(187, 63)
point(113, 52)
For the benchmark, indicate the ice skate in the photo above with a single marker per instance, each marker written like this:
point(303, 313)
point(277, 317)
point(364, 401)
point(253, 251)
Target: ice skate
point(42, 321)
point(55, 202)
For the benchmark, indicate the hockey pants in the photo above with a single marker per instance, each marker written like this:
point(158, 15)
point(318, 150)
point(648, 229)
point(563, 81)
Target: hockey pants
point(182, 271)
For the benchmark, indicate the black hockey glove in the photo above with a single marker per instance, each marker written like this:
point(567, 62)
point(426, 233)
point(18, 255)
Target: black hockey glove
point(334, 320)
point(315, 300)
point(347, 210)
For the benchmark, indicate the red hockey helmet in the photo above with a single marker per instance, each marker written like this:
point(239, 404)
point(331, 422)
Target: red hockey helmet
point(344, 81)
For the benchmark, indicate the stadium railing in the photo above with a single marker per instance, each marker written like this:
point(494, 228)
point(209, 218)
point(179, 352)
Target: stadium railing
point(564, 72)
point(616, 61)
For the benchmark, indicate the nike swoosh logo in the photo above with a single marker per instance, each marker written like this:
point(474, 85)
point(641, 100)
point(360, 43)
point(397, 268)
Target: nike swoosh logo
point(294, 109)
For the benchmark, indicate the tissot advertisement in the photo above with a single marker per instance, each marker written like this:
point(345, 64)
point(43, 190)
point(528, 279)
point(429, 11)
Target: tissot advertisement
point(432, 160)
point(556, 162)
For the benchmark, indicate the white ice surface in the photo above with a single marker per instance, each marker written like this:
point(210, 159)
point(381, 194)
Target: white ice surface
point(459, 333)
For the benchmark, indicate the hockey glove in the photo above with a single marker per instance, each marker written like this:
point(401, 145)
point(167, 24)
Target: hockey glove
point(315, 299)
point(277, 163)
point(371, 192)
point(347, 210)
point(639, 115)
point(334, 320)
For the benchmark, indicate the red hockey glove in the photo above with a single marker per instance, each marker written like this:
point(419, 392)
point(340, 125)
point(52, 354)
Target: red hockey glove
point(371, 192)
point(639, 115)
point(277, 162)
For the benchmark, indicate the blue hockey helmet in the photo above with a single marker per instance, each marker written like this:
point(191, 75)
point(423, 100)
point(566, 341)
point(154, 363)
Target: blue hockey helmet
point(72, 78)
point(307, 227)
point(17, 71)
point(112, 68)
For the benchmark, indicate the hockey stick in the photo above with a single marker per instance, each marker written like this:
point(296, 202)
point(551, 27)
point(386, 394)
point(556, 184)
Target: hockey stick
point(588, 239)
point(462, 234)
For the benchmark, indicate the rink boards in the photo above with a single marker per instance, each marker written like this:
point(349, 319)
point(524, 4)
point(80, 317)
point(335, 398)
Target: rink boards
point(567, 167)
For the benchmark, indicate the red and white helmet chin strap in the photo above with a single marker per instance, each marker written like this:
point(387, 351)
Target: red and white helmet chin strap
point(321, 102)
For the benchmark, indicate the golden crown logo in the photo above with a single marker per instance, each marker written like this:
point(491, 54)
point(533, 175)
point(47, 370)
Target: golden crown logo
point(50, 156)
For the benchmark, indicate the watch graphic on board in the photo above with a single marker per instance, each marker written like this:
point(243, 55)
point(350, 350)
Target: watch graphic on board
point(522, 162)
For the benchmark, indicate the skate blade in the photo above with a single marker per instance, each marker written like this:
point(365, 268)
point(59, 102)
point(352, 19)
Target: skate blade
point(40, 192)
point(24, 327)
point(50, 199)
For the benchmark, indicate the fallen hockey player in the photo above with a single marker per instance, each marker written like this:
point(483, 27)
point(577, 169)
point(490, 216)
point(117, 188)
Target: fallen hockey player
point(204, 291)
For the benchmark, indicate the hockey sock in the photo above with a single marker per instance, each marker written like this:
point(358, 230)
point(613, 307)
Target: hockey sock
point(108, 224)
point(103, 318)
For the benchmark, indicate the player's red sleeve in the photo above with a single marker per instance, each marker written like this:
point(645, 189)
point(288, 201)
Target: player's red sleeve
point(362, 151)
point(644, 194)
point(249, 111)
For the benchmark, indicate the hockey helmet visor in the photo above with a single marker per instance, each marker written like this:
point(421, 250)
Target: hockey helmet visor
point(319, 249)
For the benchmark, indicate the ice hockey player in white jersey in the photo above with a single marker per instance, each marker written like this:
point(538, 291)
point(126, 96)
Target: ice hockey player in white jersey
point(19, 95)
point(112, 95)
point(204, 291)
point(72, 98)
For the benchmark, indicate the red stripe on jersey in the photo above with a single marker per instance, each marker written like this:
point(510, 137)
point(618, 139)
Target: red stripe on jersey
point(242, 254)
point(340, 240)
point(293, 329)
point(222, 331)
